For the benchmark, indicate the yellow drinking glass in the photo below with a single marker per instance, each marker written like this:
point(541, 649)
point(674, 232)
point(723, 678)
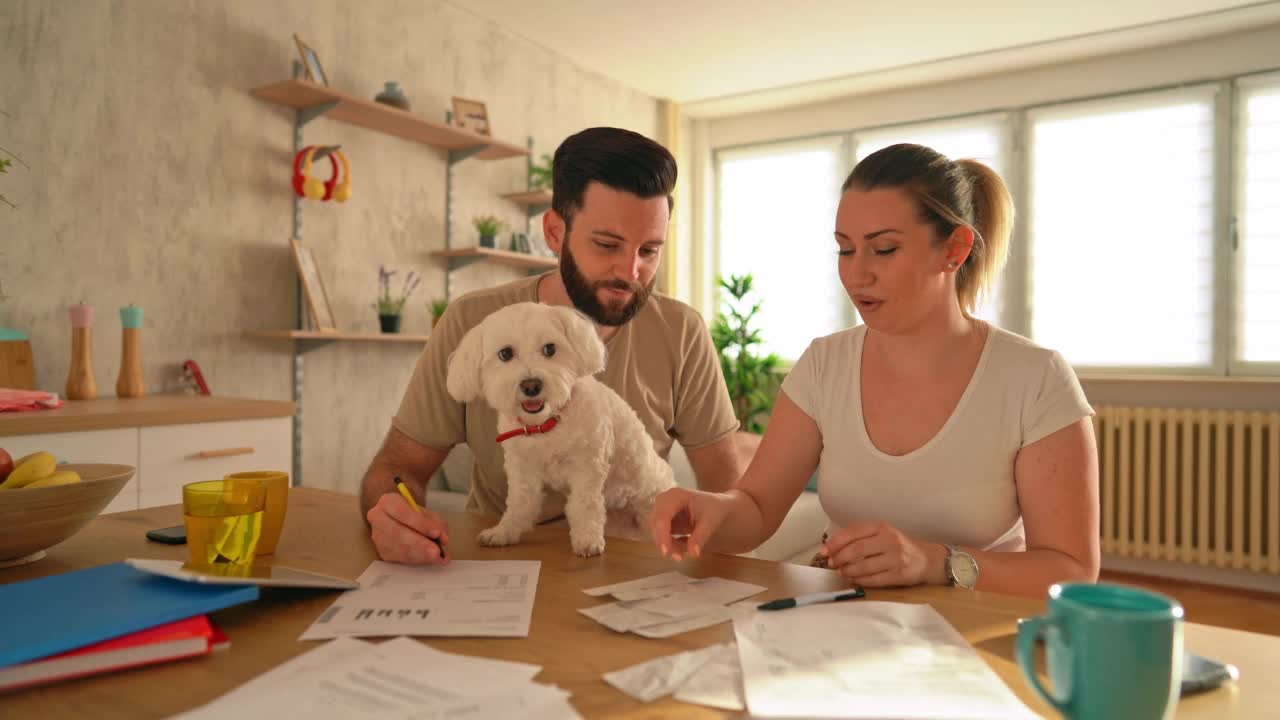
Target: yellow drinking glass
point(277, 483)
point(224, 520)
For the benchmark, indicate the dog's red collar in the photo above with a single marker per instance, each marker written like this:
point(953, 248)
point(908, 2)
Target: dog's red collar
point(545, 427)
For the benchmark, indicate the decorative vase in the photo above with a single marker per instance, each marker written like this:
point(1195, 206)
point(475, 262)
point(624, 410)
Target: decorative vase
point(487, 241)
point(389, 323)
point(392, 95)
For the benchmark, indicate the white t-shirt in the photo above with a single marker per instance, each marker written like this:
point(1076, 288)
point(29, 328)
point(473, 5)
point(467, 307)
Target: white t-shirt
point(958, 488)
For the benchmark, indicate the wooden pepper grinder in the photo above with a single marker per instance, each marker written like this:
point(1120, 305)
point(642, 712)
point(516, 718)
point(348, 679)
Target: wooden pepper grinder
point(129, 384)
point(80, 382)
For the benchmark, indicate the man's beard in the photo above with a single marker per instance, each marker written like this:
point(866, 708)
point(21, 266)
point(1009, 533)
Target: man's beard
point(583, 293)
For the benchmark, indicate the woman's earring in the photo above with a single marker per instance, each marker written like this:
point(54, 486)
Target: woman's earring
point(952, 266)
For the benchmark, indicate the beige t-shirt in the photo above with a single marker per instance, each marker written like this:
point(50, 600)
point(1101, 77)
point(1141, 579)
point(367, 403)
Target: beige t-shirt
point(959, 487)
point(662, 363)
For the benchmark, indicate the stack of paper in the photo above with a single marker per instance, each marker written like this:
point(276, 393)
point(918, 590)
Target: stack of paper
point(667, 604)
point(353, 679)
point(866, 660)
point(838, 660)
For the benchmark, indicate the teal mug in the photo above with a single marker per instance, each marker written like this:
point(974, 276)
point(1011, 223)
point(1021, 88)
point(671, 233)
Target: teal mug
point(1112, 651)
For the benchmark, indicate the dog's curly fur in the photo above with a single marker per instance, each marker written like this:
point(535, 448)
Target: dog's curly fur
point(532, 362)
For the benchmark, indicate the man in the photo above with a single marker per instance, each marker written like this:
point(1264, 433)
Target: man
point(611, 201)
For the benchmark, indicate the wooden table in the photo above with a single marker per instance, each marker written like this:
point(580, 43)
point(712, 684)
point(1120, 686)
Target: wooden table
point(325, 532)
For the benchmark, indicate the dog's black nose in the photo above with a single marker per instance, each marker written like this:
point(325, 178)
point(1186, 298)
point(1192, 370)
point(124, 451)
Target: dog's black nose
point(531, 387)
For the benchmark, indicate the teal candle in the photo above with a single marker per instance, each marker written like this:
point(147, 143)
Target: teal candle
point(131, 316)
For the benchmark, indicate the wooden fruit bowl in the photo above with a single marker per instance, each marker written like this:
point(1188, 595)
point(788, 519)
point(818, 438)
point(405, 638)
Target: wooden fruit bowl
point(33, 519)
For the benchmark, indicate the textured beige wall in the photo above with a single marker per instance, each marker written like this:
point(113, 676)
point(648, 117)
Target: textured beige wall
point(157, 179)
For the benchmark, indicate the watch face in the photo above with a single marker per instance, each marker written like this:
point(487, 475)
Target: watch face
point(965, 570)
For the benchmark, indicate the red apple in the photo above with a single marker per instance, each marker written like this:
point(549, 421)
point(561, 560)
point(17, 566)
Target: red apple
point(6, 464)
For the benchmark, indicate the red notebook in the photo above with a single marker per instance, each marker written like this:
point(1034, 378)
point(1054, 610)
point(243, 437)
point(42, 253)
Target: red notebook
point(171, 641)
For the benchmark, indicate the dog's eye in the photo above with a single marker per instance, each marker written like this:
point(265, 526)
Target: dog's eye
point(505, 354)
point(549, 349)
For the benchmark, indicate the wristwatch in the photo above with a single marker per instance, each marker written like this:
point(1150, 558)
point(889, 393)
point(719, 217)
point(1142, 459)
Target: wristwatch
point(961, 569)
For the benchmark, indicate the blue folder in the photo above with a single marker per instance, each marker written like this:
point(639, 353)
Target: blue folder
point(54, 614)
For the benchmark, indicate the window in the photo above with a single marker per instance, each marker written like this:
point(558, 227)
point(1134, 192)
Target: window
point(1121, 224)
point(776, 211)
point(974, 138)
point(1258, 221)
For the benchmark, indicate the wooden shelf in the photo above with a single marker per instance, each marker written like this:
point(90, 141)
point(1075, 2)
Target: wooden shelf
point(109, 413)
point(463, 256)
point(307, 340)
point(317, 335)
point(532, 198)
point(304, 95)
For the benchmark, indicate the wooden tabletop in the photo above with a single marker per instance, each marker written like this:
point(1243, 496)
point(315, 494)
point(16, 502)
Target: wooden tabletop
point(110, 413)
point(324, 532)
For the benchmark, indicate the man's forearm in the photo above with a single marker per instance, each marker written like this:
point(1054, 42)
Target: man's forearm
point(379, 480)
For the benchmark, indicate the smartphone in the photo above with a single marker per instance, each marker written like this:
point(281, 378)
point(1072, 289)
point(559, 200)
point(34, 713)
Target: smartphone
point(176, 535)
point(1201, 673)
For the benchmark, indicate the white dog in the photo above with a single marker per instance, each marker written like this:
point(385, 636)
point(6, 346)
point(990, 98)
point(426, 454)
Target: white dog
point(560, 428)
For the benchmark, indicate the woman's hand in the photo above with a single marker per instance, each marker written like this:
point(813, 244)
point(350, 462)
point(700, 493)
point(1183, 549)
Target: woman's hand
point(877, 554)
point(684, 520)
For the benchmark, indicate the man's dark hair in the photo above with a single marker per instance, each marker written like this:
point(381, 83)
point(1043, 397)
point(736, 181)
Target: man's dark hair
point(622, 159)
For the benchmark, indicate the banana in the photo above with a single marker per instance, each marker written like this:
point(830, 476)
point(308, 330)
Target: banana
point(29, 469)
point(64, 477)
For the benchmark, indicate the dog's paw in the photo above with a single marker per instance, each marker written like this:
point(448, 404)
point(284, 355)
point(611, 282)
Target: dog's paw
point(587, 547)
point(497, 536)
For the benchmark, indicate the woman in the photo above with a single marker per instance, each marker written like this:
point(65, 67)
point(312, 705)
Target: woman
point(948, 451)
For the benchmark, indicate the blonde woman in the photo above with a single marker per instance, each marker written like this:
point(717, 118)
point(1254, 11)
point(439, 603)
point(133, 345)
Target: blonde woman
point(948, 451)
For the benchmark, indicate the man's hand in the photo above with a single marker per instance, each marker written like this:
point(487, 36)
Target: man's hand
point(404, 535)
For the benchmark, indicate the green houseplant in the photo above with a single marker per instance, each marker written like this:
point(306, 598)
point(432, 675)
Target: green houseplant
point(438, 306)
point(5, 164)
point(540, 174)
point(390, 305)
point(752, 378)
point(488, 226)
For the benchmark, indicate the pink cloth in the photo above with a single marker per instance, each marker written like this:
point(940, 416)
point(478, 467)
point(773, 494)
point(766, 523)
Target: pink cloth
point(21, 400)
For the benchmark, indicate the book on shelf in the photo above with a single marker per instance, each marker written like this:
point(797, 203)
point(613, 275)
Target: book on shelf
point(187, 638)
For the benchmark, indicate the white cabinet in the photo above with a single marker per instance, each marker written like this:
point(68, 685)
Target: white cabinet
point(173, 455)
point(119, 446)
point(169, 456)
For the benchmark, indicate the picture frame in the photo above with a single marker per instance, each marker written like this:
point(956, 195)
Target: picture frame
point(313, 287)
point(310, 62)
point(470, 115)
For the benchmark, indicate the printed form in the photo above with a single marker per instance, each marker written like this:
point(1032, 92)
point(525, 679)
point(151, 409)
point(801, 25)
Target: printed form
point(466, 598)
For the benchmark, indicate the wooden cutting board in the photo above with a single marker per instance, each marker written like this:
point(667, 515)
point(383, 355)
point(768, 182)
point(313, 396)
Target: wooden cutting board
point(17, 367)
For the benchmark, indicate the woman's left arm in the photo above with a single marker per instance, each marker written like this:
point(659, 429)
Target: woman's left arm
point(1057, 480)
point(1057, 483)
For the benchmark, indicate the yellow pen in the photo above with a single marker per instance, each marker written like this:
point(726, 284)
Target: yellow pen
point(404, 490)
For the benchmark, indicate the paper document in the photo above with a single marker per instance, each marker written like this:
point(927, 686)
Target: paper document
point(470, 598)
point(402, 678)
point(866, 660)
point(637, 589)
point(651, 680)
point(668, 604)
point(718, 683)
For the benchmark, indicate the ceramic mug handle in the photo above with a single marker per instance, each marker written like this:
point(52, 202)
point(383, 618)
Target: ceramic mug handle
point(1028, 630)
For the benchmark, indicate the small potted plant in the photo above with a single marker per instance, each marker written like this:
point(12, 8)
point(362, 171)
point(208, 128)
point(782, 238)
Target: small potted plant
point(391, 306)
point(540, 174)
point(488, 226)
point(438, 306)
